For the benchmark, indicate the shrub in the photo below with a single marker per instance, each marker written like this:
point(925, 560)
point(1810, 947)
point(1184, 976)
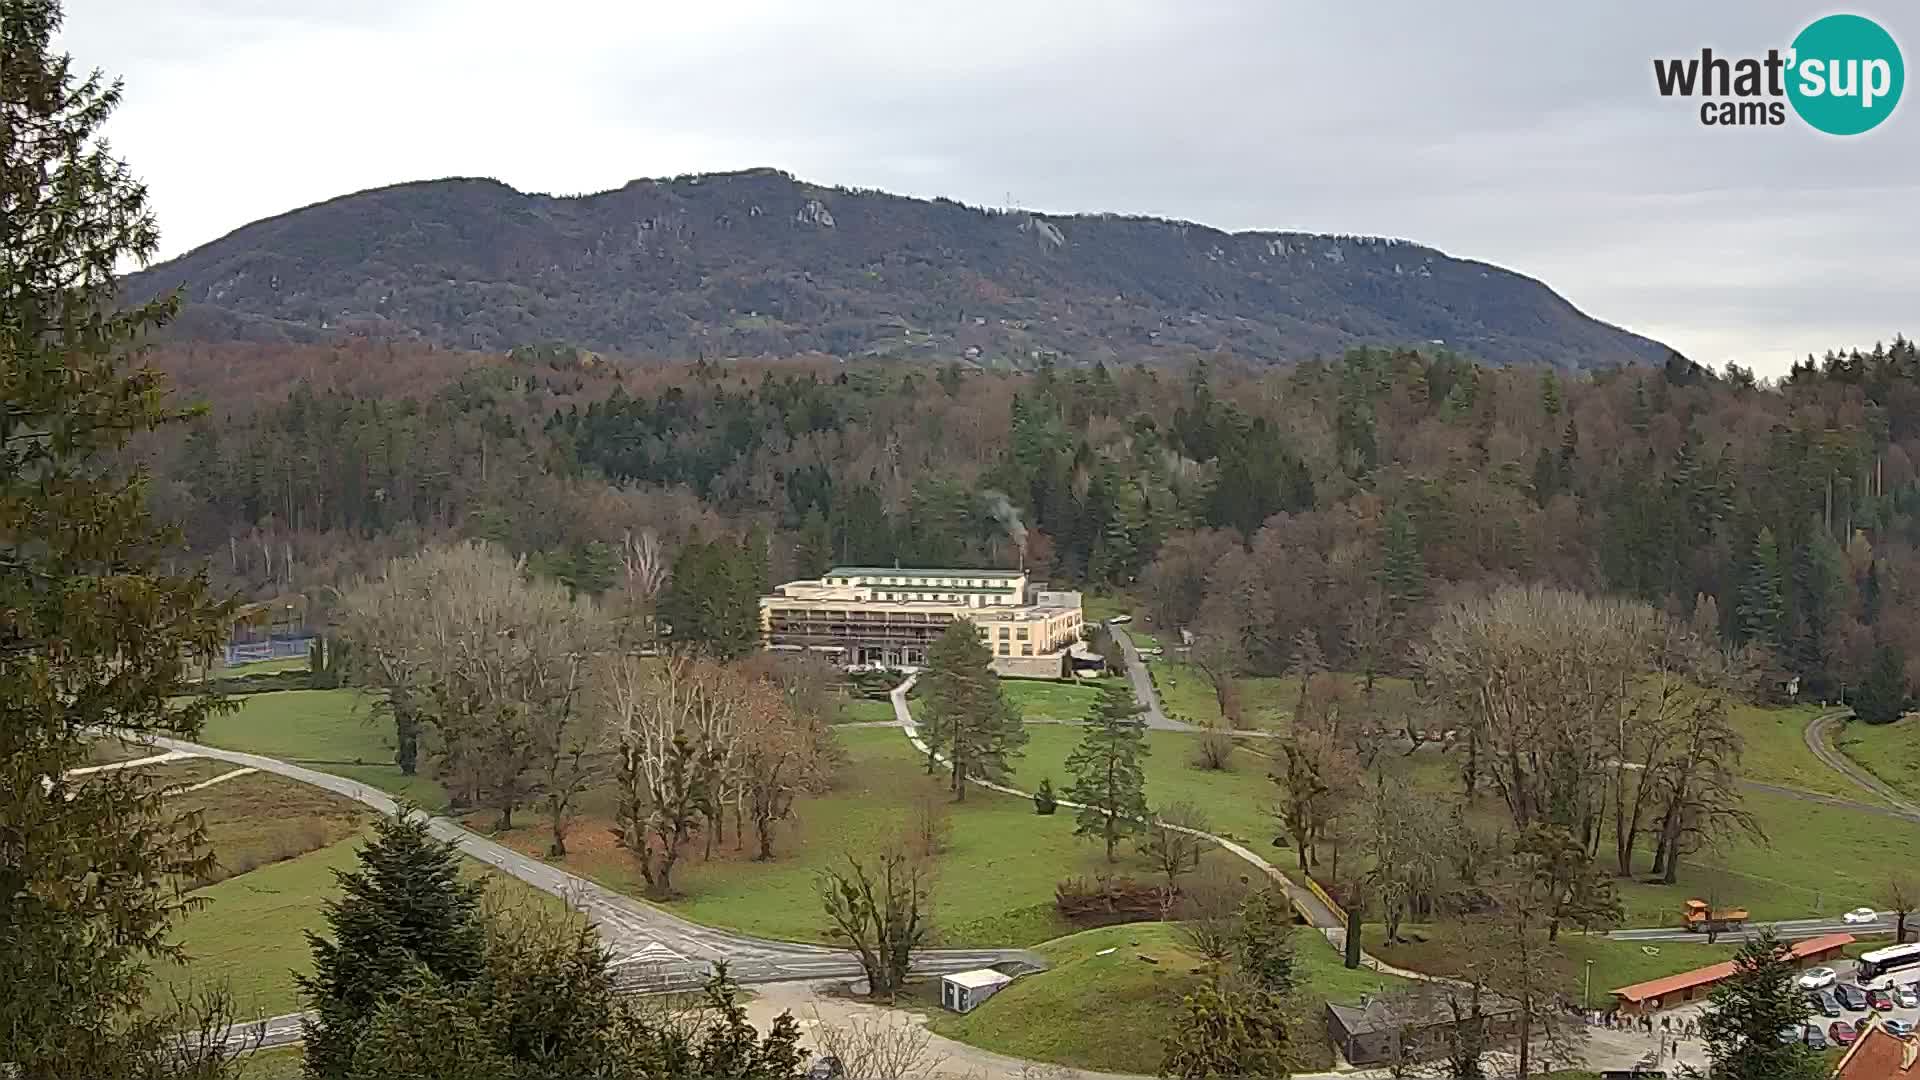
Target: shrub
point(1107, 901)
point(931, 826)
point(1043, 800)
point(1213, 750)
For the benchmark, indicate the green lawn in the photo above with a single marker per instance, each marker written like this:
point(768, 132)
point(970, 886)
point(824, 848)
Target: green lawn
point(1235, 801)
point(248, 933)
point(865, 710)
point(1819, 859)
point(335, 731)
point(1888, 751)
point(995, 878)
point(1776, 752)
point(1436, 949)
point(1039, 699)
point(279, 1063)
point(1109, 1012)
point(1099, 607)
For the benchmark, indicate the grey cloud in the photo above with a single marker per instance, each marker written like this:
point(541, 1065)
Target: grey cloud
point(1524, 134)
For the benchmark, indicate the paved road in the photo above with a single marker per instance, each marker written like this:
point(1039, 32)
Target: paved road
point(1143, 691)
point(1789, 929)
point(652, 949)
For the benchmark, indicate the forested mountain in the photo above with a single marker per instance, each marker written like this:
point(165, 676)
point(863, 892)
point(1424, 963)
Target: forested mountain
point(1325, 507)
point(756, 263)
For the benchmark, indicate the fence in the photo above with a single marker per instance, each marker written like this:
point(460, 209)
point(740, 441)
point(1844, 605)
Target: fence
point(271, 649)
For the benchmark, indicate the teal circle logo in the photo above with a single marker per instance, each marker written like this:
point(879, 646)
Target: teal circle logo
point(1846, 74)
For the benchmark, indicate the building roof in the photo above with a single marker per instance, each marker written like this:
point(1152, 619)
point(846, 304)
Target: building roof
point(912, 571)
point(1879, 1055)
point(1713, 973)
point(977, 978)
point(1415, 1007)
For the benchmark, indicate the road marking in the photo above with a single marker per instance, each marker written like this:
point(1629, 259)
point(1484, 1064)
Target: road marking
point(654, 953)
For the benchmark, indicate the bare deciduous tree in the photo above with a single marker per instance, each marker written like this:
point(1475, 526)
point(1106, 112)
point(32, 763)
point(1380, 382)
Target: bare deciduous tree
point(1174, 846)
point(1899, 894)
point(878, 908)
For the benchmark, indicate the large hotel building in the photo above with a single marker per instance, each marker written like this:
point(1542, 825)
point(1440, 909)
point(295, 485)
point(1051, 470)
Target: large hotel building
point(891, 615)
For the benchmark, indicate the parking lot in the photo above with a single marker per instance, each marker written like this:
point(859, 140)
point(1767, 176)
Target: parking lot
point(1845, 1004)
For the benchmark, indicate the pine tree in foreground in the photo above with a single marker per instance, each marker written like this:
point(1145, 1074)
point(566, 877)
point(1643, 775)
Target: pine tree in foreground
point(1108, 782)
point(406, 909)
point(966, 717)
point(1750, 1009)
point(93, 633)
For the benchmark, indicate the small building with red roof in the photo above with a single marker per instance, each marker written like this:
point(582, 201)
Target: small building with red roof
point(1670, 990)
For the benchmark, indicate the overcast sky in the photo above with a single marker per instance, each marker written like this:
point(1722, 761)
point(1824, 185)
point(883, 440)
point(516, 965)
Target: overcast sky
point(1526, 134)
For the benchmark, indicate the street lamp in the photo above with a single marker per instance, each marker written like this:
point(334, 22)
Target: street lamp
point(1586, 996)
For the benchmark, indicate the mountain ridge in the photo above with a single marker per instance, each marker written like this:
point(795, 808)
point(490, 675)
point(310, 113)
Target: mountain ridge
point(756, 262)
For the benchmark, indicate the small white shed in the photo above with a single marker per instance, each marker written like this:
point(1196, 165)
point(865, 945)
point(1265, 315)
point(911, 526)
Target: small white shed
point(965, 990)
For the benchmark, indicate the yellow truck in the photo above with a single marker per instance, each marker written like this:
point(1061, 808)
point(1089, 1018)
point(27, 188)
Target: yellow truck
point(1696, 916)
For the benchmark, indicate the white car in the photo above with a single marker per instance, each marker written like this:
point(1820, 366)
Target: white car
point(1861, 915)
point(1905, 997)
point(1818, 978)
point(1118, 620)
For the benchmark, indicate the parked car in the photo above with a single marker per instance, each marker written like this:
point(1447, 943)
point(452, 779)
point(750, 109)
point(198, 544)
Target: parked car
point(1119, 620)
point(827, 1068)
point(1842, 1033)
point(1880, 1000)
point(1814, 1037)
point(1824, 1003)
point(1896, 1026)
point(1852, 998)
point(1860, 915)
point(1906, 997)
point(1816, 977)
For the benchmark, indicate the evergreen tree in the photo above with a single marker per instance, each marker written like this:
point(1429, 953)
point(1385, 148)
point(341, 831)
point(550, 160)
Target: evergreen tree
point(712, 602)
point(1750, 1009)
point(967, 718)
point(1263, 943)
point(1222, 1032)
point(1550, 393)
point(1108, 782)
point(1403, 569)
point(93, 633)
point(1883, 697)
point(406, 908)
point(1640, 412)
point(813, 552)
point(1762, 608)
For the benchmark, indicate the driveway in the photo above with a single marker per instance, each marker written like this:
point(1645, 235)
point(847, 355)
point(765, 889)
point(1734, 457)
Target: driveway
point(1143, 691)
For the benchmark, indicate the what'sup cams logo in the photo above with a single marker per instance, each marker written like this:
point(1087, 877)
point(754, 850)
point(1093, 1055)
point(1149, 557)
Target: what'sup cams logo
point(1842, 75)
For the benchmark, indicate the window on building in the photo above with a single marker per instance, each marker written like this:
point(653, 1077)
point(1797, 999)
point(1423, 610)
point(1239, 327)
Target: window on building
point(1026, 650)
point(1021, 633)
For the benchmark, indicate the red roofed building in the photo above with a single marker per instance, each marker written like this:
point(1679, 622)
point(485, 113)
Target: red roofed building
point(1671, 990)
point(1880, 1055)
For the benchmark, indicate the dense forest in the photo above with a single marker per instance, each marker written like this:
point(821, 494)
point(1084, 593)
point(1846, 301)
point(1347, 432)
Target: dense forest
point(1329, 505)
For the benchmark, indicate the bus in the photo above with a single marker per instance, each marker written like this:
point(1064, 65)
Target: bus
point(1888, 967)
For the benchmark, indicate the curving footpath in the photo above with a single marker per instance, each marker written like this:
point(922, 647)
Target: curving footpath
point(1816, 734)
point(1318, 915)
point(652, 949)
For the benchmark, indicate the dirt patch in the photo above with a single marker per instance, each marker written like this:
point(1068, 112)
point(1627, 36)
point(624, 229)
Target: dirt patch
point(260, 819)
